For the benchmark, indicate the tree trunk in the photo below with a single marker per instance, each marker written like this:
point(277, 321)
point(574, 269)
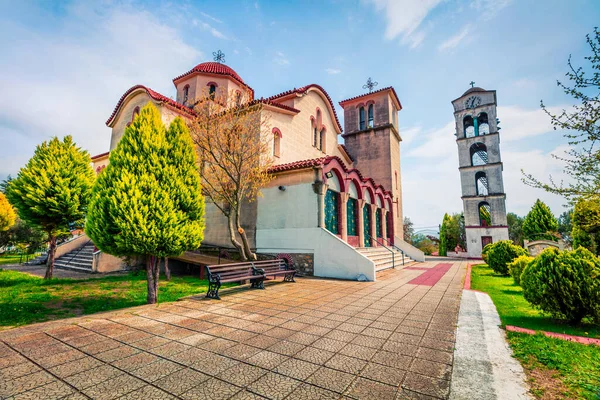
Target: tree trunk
point(152, 278)
point(249, 254)
point(167, 270)
point(51, 253)
point(232, 231)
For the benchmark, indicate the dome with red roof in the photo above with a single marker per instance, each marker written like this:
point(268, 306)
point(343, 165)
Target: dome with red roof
point(213, 68)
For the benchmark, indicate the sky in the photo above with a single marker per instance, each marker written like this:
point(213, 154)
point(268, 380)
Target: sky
point(65, 64)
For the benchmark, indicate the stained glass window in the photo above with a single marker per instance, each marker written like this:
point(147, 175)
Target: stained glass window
point(367, 224)
point(331, 211)
point(352, 216)
point(378, 223)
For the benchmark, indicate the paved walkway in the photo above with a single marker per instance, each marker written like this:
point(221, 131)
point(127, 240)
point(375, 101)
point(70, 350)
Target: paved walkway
point(315, 339)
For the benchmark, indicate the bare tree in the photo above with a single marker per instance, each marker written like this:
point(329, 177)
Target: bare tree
point(233, 143)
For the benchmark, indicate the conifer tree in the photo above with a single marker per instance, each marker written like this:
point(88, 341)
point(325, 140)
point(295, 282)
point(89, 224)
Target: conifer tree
point(53, 189)
point(148, 201)
point(443, 251)
point(540, 223)
point(7, 213)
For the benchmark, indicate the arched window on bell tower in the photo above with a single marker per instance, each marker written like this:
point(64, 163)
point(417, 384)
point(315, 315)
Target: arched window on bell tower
point(481, 184)
point(370, 115)
point(479, 155)
point(186, 94)
point(361, 118)
point(484, 126)
point(485, 214)
point(469, 126)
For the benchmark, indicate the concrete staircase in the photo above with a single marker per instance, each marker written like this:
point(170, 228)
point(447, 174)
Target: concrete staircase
point(79, 259)
point(383, 258)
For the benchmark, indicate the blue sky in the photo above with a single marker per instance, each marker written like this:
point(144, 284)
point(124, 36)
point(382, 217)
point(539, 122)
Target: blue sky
point(64, 65)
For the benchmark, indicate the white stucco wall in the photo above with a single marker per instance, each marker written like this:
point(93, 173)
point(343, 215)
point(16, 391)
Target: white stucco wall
point(294, 207)
point(333, 257)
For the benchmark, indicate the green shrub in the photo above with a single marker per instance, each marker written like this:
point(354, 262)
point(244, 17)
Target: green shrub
point(485, 250)
point(517, 266)
point(502, 253)
point(565, 284)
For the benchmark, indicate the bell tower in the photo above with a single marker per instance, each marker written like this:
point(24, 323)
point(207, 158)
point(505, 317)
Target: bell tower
point(480, 167)
point(372, 138)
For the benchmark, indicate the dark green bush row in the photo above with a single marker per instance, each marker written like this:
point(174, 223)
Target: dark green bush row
point(517, 266)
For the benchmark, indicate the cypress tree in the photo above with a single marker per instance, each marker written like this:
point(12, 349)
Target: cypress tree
point(148, 201)
point(52, 190)
point(540, 223)
point(443, 251)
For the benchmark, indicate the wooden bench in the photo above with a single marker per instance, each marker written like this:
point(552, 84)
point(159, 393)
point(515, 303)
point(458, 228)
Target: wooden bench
point(255, 271)
point(275, 268)
point(236, 272)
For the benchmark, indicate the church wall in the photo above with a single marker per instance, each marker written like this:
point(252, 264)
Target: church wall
point(474, 235)
point(216, 231)
point(395, 185)
point(125, 114)
point(295, 207)
point(297, 132)
point(199, 88)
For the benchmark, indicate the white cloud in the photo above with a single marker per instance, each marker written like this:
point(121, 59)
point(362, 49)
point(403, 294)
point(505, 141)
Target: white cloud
point(281, 59)
point(218, 21)
point(404, 18)
point(248, 50)
point(333, 71)
point(69, 81)
point(455, 40)
point(207, 27)
point(431, 181)
point(488, 8)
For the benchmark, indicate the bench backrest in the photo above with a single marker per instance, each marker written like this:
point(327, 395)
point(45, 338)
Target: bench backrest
point(226, 271)
point(271, 265)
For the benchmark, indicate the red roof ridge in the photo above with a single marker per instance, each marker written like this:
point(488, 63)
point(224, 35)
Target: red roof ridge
point(100, 155)
point(154, 95)
point(304, 89)
point(273, 103)
point(215, 68)
point(373, 92)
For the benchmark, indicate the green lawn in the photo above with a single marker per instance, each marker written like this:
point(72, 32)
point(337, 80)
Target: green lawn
point(556, 368)
point(11, 259)
point(25, 299)
point(515, 310)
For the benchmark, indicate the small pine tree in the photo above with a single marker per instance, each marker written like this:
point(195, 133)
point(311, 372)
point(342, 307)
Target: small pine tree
point(53, 189)
point(7, 213)
point(148, 201)
point(540, 223)
point(443, 251)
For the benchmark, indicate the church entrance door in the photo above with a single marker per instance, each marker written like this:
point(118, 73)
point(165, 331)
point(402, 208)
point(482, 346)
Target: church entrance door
point(367, 224)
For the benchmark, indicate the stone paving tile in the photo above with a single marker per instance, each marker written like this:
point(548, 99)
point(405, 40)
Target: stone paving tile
point(274, 386)
point(181, 381)
point(212, 389)
point(313, 339)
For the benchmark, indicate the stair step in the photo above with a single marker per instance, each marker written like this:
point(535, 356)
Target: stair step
point(78, 263)
point(74, 268)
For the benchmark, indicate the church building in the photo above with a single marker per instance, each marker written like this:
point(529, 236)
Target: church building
point(335, 191)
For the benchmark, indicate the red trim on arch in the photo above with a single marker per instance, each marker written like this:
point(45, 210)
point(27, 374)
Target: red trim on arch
point(277, 132)
point(211, 83)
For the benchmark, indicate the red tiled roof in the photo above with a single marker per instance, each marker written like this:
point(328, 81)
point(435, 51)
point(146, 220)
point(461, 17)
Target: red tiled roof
point(100, 155)
point(341, 103)
point(274, 104)
point(303, 90)
point(315, 162)
point(155, 95)
point(215, 68)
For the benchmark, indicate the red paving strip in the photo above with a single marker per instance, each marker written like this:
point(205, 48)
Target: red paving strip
point(468, 278)
point(432, 276)
point(571, 338)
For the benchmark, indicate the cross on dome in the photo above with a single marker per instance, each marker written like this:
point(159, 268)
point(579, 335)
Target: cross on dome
point(472, 83)
point(219, 56)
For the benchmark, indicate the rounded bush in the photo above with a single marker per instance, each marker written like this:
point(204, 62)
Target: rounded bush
point(564, 284)
point(517, 266)
point(485, 251)
point(502, 253)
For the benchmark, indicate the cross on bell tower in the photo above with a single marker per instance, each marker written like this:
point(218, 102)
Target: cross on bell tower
point(480, 167)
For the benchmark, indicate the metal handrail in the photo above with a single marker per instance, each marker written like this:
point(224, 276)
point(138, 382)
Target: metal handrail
point(395, 247)
point(385, 247)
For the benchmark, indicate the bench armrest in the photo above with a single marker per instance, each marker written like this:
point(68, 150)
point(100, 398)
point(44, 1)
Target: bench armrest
point(257, 271)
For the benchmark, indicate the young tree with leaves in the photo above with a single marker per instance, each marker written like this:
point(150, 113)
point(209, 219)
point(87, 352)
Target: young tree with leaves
point(53, 190)
point(565, 226)
point(409, 230)
point(7, 213)
point(582, 126)
point(148, 201)
point(540, 224)
point(586, 225)
point(233, 144)
point(515, 228)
